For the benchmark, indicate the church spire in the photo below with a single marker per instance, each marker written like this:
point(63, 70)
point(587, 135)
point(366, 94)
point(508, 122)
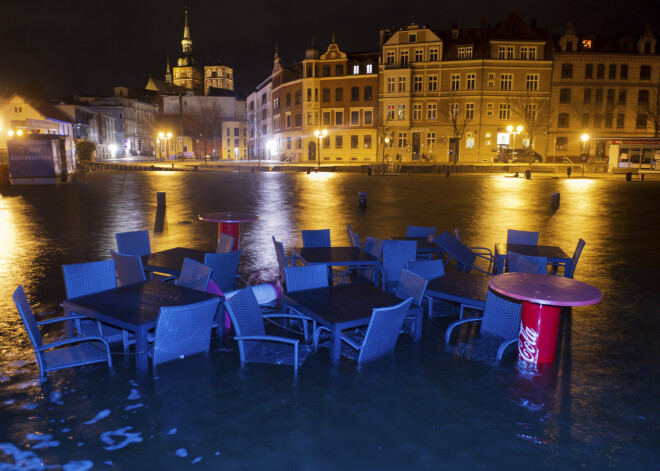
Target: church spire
point(168, 73)
point(186, 42)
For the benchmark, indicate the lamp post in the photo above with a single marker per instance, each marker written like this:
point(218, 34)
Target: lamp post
point(511, 131)
point(585, 155)
point(165, 137)
point(387, 143)
point(318, 135)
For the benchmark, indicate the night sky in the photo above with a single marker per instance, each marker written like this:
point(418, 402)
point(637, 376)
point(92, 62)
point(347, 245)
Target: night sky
point(88, 47)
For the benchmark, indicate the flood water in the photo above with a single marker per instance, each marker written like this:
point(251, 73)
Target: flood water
point(596, 407)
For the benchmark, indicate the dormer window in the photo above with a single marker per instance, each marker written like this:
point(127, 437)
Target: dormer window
point(586, 43)
point(412, 37)
point(465, 52)
point(370, 68)
point(356, 70)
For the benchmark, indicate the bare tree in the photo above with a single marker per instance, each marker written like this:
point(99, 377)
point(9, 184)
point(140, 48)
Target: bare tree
point(534, 112)
point(652, 109)
point(591, 110)
point(454, 112)
point(384, 131)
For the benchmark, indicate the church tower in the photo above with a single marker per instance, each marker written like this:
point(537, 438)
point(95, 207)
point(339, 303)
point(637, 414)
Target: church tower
point(168, 72)
point(187, 73)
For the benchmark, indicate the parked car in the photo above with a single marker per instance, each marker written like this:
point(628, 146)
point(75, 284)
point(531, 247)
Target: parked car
point(526, 155)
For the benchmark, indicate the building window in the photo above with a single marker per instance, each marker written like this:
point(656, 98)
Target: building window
point(505, 111)
point(354, 141)
point(430, 140)
point(402, 112)
point(620, 119)
point(622, 96)
point(403, 84)
point(589, 71)
point(455, 82)
point(471, 82)
point(417, 83)
point(433, 83)
point(368, 117)
point(612, 72)
point(390, 111)
point(389, 57)
point(510, 52)
point(355, 93)
point(326, 71)
point(298, 120)
point(586, 43)
point(431, 111)
point(608, 120)
point(370, 69)
point(641, 121)
point(339, 94)
point(288, 143)
point(453, 110)
point(403, 139)
point(417, 111)
point(391, 84)
point(356, 70)
point(587, 96)
point(610, 96)
point(368, 93)
point(506, 81)
point(565, 95)
point(404, 58)
point(276, 103)
point(465, 52)
point(309, 94)
point(562, 121)
point(599, 95)
point(645, 73)
point(367, 142)
point(433, 54)
point(299, 143)
point(501, 52)
point(600, 71)
point(643, 97)
point(339, 118)
point(288, 100)
point(339, 142)
point(567, 71)
point(298, 97)
point(419, 55)
point(469, 140)
point(288, 120)
point(339, 70)
point(623, 73)
point(469, 111)
point(325, 95)
point(326, 118)
point(355, 118)
point(532, 82)
point(598, 118)
point(561, 143)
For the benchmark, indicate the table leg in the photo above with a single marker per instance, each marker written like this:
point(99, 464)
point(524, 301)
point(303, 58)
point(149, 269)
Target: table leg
point(538, 332)
point(230, 228)
point(335, 345)
point(141, 350)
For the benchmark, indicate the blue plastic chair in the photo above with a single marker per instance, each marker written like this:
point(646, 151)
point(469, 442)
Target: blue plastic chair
point(81, 279)
point(420, 231)
point(522, 237)
point(129, 268)
point(427, 269)
point(316, 238)
point(183, 330)
point(412, 286)
point(225, 243)
point(194, 275)
point(66, 353)
point(501, 318)
point(353, 237)
point(570, 271)
point(381, 335)
point(526, 263)
point(373, 247)
point(133, 243)
point(396, 253)
point(306, 277)
point(282, 260)
point(225, 268)
point(253, 343)
point(465, 257)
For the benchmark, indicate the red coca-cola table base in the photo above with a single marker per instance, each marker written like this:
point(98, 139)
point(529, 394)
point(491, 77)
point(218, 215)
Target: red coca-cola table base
point(229, 223)
point(542, 296)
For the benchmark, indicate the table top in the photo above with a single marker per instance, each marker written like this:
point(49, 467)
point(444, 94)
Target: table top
point(546, 289)
point(228, 217)
point(461, 287)
point(423, 243)
point(347, 305)
point(170, 261)
point(334, 256)
point(137, 304)
point(551, 252)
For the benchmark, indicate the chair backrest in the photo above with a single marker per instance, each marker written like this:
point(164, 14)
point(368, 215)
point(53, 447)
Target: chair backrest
point(316, 238)
point(24, 309)
point(522, 237)
point(184, 330)
point(224, 268)
point(373, 247)
point(194, 275)
point(281, 256)
point(420, 231)
point(246, 318)
point(501, 316)
point(352, 236)
point(133, 243)
point(427, 269)
point(87, 278)
point(129, 268)
point(412, 286)
point(526, 263)
point(457, 250)
point(306, 277)
point(395, 255)
point(383, 331)
point(576, 256)
point(225, 243)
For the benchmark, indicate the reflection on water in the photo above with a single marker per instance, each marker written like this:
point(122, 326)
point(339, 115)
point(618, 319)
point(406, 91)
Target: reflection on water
point(594, 408)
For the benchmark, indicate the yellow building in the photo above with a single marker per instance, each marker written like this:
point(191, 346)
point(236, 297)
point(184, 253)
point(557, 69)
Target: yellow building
point(218, 76)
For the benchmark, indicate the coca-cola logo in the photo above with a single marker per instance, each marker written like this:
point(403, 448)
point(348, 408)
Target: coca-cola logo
point(527, 349)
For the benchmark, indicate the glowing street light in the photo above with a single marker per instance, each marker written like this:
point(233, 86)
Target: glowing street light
point(113, 150)
point(511, 131)
point(318, 135)
point(166, 138)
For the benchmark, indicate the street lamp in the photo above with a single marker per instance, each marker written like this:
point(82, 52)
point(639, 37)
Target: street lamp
point(318, 135)
point(166, 138)
point(585, 155)
point(387, 143)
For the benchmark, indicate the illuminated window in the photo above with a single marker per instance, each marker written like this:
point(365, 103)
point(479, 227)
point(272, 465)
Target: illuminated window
point(370, 68)
point(390, 111)
point(367, 142)
point(586, 43)
point(469, 140)
point(356, 70)
point(402, 112)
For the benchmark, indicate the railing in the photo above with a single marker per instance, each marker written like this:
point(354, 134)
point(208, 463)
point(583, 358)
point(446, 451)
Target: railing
point(568, 161)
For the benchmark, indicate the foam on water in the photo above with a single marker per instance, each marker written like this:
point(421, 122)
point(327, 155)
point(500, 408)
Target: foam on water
point(181, 452)
point(101, 415)
point(134, 395)
point(129, 437)
point(44, 440)
point(134, 406)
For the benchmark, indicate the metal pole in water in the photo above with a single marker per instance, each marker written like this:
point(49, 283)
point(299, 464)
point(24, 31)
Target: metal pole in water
point(554, 201)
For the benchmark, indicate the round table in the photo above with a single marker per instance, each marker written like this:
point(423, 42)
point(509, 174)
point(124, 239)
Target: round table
point(542, 296)
point(229, 223)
